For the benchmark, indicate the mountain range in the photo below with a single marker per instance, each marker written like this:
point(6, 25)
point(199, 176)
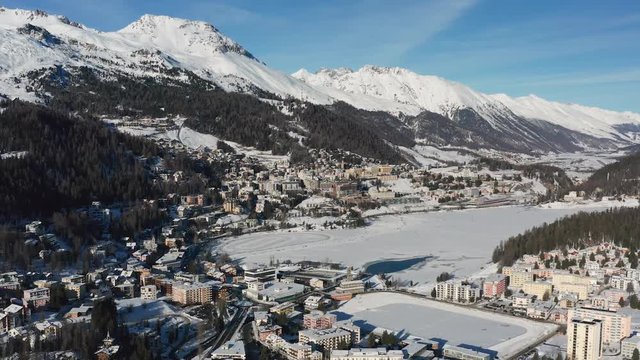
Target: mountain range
point(39, 49)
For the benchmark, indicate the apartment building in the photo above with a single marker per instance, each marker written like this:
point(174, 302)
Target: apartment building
point(347, 289)
point(318, 320)
point(629, 345)
point(261, 274)
point(494, 285)
point(517, 279)
point(149, 292)
point(328, 339)
point(297, 351)
point(75, 290)
point(560, 278)
point(188, 294)
point(509, 270)
point(312, 302)
point(266, 330)
point(457, 291)
point(615, 326)
point(584, 339)
point(73, 279)
point(633, 274)
point(38, 297)
point(352, 328)
point(285, 308)
point(367, 354)
point(538, 288)
point(622, 282)
point(293, 351)
point(11, 317)
point(581, 290)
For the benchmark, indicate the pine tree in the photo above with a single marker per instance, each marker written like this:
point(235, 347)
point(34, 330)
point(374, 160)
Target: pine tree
point(372, 341)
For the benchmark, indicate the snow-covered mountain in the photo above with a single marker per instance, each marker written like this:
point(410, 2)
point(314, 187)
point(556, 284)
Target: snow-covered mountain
point(35, 44)
point(150, 46)
point(431, 93)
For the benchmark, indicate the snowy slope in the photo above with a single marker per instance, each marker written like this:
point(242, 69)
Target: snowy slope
point(157, 46)
point(149, 46)
point(446, 97)
point(590, 120)
point(400, 85)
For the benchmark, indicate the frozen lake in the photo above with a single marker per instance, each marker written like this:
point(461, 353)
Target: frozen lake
point(455, 241)
point(456, 325)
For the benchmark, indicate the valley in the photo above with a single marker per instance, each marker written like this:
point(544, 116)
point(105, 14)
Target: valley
point(168, 193)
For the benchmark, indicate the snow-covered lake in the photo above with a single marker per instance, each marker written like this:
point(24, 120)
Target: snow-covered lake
point(456, 241)
point(456, 325)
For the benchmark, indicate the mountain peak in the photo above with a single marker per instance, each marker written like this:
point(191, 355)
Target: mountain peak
point(19, 17)
point(334, 72)
point(191, 36)
point(149, 23)
point(379, 69)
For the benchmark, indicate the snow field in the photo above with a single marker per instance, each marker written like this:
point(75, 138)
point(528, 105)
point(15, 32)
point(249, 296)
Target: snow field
point(455, 324)
point(459, 242)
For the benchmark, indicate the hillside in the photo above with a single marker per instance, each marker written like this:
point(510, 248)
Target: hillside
point(554, 178)
point(448, 98)
point(621, 226)
point(51, 161)
point(38, 47)
point(619, 178)
point(241, 118)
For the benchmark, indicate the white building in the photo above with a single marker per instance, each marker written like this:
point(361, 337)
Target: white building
point(629, 345)
point(233, 350)
point(312, 302)
point(261, 274)
point(457, 291)
point(457, 352)
point(148, 292)
point(584, 339)
point(169, 261)
point(615, 326)
point(367, 354)
point(351, 286)
point(633, 274)
point(622, 282)
point(326, 338)
point(273, 291)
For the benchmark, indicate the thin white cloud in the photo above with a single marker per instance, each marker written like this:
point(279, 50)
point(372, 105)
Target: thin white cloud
point(572, 79)
point(364, 32)
point(394, 30)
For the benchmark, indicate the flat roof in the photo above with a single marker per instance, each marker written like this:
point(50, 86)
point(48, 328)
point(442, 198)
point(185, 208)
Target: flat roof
point(230, 348)
point(280, 290)
point(315, 335)
point(322, 274)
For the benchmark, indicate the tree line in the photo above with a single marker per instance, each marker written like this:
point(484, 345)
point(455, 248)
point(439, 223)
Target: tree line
point(619, 178)
point(549, 175)
point(70, 161)
point(232, 116)
point(621, 226)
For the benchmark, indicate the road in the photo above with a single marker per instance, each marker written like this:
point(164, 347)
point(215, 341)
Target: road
point(227, 334)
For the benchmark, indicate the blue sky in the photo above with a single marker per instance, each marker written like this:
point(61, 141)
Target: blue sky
point(581, 51)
